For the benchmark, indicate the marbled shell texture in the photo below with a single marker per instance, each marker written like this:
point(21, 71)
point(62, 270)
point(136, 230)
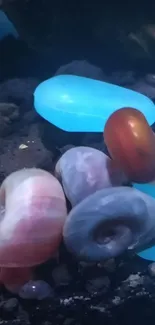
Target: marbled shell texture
point(84, 170)
point(108, 222)
point(32, 221)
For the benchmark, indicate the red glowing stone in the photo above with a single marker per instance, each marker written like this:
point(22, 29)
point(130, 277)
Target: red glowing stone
point(131, 143)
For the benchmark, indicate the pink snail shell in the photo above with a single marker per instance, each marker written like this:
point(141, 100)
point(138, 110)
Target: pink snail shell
point(32, 214)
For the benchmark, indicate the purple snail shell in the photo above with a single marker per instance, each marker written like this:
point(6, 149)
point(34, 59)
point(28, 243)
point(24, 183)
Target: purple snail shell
point(108, 222)
point(84, 170)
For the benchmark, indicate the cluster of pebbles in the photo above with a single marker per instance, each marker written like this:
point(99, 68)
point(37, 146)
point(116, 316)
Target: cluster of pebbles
point(78, 292)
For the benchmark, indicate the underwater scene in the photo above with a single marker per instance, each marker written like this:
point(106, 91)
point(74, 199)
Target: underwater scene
point(77, 163)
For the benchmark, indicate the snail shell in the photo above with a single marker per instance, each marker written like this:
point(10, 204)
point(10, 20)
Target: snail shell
point(33, 211)
point(108, 222)
point(84, 170)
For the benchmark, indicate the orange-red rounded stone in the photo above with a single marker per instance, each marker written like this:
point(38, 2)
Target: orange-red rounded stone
point(131, 143)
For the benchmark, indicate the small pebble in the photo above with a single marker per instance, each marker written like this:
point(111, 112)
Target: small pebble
point(151, 269)
point(100, 284)
point(38, 290)
point(61, 275)
point(11, 305)
point(150, 78)
point(116, 301)
point(134, 280)
point(23, 146)
point(9, 113)
point(81, 68)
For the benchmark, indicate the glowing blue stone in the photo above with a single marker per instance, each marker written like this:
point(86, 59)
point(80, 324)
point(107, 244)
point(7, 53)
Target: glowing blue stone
point(79, 104)
point(148, 254)
point(149, 189)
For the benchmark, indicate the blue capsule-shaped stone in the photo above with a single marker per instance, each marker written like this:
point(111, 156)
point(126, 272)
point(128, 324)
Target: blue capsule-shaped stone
point(79, 104)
